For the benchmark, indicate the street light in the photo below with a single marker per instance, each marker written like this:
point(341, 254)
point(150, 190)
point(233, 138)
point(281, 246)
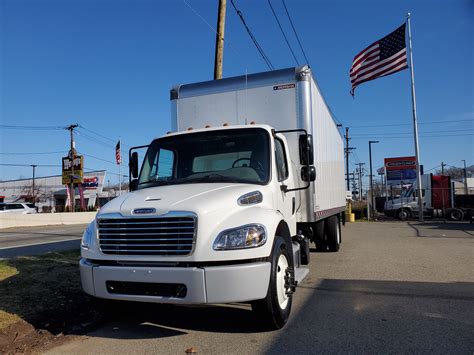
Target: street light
point(33, 185)
point(466, 190)
point(371, 209)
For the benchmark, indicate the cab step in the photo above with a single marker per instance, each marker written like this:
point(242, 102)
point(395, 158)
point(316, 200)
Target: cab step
point(300, 274)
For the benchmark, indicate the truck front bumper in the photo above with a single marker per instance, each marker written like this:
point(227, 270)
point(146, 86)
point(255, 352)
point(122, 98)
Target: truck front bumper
point(185, 285)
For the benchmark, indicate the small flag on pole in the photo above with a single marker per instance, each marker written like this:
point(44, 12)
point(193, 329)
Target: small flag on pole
point(383, 57)
point(118, 157)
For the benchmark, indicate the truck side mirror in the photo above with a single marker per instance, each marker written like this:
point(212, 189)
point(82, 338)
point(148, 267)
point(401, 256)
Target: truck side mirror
point(306, 149)
point(308, 173)
point(133, 165)
point(133, 185)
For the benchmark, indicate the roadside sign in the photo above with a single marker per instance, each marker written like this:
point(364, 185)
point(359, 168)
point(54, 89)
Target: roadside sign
point(68, 165)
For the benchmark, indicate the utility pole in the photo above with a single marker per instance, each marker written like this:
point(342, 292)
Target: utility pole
point(219, 53)
point(442, 168)
point(72, 155)
point(466, 190)
point(371, 187)
point(348, 149)
point(33, 193)
point(360, 180)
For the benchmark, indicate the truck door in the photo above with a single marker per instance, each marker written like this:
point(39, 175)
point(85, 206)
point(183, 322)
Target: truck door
point(285, 201)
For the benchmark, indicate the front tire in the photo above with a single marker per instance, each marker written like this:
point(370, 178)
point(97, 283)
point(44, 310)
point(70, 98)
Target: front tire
point(403, 214)
point(274, 310)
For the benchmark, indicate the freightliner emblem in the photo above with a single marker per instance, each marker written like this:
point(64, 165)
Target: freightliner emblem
point(144, 210)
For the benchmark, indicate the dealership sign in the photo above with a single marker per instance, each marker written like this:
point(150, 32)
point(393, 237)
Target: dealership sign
point(90, 183)
point(400, 170)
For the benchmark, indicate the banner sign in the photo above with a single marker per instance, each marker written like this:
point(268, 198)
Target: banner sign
point(400, 170)
point(76, 164)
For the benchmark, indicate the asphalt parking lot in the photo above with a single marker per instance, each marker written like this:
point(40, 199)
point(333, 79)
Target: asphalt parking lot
point(393, 287)
point(23, 241)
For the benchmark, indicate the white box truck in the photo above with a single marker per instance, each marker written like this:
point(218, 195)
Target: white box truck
point(224, 207)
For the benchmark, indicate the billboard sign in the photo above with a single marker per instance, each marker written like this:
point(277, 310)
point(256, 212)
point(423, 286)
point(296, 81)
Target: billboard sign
point(73, 168)
point(401, 170)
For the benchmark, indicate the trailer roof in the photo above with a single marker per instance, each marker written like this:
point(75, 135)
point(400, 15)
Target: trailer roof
point(242, 82)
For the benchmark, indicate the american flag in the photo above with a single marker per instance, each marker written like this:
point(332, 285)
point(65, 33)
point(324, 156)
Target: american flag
point(383, 57)
point(118, 157)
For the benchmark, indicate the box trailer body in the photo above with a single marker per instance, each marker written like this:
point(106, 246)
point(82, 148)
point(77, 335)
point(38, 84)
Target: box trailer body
point(283, 99)
point(224, 207)
point(439, 200)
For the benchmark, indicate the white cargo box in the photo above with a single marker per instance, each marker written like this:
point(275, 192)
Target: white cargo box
point(284, 99)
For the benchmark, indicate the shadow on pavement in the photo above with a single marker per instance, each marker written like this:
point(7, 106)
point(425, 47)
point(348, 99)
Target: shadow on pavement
point(425, 229)
point(358, 316)
point(130, 320)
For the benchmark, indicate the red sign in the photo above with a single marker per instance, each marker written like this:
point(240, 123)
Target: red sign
point(402, 163)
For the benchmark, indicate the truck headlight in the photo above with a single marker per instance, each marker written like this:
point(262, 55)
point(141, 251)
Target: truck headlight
point(88, 235)
point(249, 236)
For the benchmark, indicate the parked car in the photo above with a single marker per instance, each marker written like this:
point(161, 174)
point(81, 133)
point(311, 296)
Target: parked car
point(18, 207)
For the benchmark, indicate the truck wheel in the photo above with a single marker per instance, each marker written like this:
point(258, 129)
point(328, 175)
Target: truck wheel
point(320, 236)
point(275, 308)
point(403, 214)
point(455, 215)
point(333, 232)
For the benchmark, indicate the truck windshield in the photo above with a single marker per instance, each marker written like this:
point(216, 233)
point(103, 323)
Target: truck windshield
point(233, 155)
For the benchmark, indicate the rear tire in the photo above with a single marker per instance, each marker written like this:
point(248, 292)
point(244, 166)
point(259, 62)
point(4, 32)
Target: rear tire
point(320, 236)
point(455, 215)
point(274, 309)
point(333, 232)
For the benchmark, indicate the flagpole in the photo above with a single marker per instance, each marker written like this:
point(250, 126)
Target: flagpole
point(120, 166)
point(415, 126)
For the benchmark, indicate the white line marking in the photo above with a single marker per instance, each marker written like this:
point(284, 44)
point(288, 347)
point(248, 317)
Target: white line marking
point(50, 242)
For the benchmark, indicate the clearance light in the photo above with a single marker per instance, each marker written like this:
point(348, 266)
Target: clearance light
point(169, 132)
point(190, 128)
point(252, 122)
point(207, 126)
point(225, 124)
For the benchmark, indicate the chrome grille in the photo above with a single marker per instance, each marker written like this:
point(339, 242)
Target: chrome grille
point(147, 236)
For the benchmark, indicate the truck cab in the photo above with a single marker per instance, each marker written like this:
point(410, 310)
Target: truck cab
point(212, 217)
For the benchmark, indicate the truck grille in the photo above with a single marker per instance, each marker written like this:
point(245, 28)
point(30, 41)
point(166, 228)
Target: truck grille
point(147, 236)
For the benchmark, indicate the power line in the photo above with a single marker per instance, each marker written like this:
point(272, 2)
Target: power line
point(430, 136)
point(39, 165)
point(94, 157)
point(102, 136)
point(395, 133)
point(34, 128)
point(409, 124)
point(95, 140)
point(259, 48)
point(294, 30)
point(283, 32)
point(35, 153)
point(98, 134)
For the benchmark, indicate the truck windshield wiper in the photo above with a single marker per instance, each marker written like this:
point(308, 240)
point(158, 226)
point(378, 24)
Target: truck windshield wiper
point(209, 178)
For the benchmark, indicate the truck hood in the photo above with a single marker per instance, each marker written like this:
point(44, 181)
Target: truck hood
point(198, 198)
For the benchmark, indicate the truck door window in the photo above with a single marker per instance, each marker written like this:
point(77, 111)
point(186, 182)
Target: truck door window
point(162, 168)
point(280, 158)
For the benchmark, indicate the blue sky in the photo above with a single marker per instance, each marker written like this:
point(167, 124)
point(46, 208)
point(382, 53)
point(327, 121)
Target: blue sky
point(108, 65)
